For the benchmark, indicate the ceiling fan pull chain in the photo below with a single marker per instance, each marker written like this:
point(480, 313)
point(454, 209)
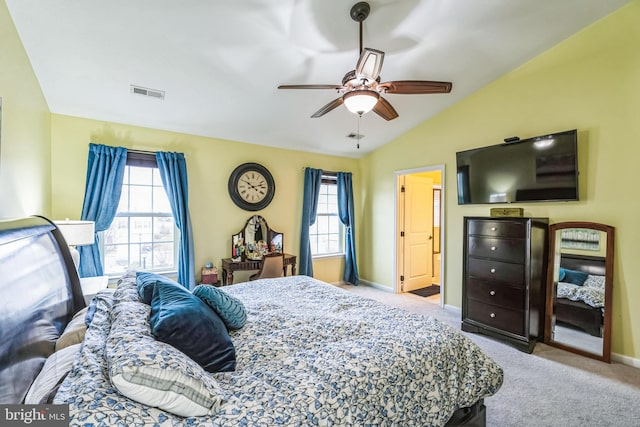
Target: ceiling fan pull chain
point(358, 132)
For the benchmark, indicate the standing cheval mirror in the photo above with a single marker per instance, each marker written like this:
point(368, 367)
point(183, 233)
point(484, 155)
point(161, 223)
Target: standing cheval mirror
point(580, 288)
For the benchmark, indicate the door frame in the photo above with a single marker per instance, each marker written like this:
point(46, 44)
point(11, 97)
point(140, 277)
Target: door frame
point(397, 245)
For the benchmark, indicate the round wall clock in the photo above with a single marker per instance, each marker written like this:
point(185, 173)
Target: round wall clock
point(251, 186)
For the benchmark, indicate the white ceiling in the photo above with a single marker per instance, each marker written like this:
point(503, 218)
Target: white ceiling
point(220, 62)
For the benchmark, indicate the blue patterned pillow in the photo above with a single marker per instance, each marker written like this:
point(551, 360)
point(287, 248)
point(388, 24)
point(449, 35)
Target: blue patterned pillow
point(182, 320)
point(228, 307)
point(146, 283)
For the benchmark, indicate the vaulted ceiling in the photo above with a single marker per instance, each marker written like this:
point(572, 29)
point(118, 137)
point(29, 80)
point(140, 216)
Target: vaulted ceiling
point(219, 63)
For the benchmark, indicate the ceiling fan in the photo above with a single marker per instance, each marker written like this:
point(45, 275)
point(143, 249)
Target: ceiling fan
point(361, 88)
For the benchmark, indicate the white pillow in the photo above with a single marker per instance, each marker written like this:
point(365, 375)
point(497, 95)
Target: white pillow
point(152, 372)
point(167, 389)
point(55, 367)
point(594, 282)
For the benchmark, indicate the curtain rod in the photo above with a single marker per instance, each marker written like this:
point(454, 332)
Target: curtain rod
point(323, 171)
point(140, 151)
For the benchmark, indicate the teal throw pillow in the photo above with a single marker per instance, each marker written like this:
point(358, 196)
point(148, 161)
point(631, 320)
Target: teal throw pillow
point(230, 309)
point(146, 283)
point(573, 276)
point(182, 320)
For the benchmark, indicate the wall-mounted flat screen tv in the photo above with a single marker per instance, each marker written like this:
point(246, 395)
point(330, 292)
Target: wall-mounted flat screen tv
point(538, 169)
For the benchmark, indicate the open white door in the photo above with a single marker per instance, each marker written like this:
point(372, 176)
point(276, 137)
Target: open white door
point(418, 233)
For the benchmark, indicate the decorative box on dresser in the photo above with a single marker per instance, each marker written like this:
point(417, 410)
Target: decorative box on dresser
point(504, 274)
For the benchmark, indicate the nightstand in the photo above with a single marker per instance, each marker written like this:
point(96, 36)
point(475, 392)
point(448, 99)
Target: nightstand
point(91, 286)
point(209, 276)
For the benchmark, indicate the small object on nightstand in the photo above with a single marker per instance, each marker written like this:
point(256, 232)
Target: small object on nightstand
point(92, 285)
point(209, 276)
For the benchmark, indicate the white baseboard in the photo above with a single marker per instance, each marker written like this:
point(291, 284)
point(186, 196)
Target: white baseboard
point(453, 309)
point(376, 285)
point(625, 360)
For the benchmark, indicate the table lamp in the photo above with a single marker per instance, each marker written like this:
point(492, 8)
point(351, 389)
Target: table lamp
point(76, 233)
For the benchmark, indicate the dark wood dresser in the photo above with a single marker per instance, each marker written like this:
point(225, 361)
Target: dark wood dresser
point(504, 274)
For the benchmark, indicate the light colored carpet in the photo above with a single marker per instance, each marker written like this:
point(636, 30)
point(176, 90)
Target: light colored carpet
point(549, 387)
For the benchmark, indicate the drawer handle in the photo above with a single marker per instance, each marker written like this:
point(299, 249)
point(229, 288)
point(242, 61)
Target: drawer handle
point(492, 315)
point(493, 270)
point(493, 248)
point(493, 228)
point(492, 293)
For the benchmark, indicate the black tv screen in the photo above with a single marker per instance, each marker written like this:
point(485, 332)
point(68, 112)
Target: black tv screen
point(542, 168)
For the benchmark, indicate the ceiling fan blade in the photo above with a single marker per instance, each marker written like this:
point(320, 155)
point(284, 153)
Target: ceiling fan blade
point(330, 106)
point(385, 110)
point(370, 63)
point(418, 87)
point(335, 87)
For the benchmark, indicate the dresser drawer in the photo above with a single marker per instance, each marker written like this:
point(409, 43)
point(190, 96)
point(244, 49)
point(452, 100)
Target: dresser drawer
point(497, 317)
point(504, 296)
point(497, 228)
point(513, 250)
point(487, 269)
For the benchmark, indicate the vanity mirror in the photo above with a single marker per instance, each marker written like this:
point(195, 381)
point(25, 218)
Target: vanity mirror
point(579, 288)
point(255, 240)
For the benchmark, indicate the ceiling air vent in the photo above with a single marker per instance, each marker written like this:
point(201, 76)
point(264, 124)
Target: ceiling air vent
point(151, 93)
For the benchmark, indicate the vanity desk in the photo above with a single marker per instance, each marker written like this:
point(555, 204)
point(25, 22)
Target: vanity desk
point(249, 245)
point(229, 267)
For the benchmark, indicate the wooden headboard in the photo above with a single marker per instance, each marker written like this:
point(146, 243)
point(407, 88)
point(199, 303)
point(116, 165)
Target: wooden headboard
point(39, 293)
point(589, 264)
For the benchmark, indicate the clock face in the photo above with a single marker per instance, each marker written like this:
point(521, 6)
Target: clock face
point(251, 186)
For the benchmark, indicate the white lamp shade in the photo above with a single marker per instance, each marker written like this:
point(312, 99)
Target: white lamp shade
point(77, 233)
point(360, 101)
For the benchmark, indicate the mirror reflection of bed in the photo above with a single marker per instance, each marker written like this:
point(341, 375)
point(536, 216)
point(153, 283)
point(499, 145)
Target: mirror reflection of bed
point(579, 288)
point(580, 304)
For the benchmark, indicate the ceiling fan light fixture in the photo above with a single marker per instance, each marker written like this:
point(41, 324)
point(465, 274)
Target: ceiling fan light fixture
point(360, 101)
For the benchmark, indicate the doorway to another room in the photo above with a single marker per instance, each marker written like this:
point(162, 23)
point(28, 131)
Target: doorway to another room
point(419, 231)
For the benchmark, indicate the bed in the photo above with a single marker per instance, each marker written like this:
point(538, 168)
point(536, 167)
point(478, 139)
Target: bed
point(582, 306)
point(308, 353)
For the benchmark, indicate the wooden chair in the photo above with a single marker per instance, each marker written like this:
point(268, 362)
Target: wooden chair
point(272, 266)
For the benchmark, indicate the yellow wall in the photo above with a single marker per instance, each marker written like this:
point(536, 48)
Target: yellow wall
point(210, 162)
point(591, 82)
point(24, 139)
point(436, 176)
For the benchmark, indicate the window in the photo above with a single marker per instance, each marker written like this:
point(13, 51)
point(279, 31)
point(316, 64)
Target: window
point(326, 235)
point(143, 234)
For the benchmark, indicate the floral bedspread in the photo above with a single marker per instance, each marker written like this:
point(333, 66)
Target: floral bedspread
point(309, 354)
point(589, 295)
